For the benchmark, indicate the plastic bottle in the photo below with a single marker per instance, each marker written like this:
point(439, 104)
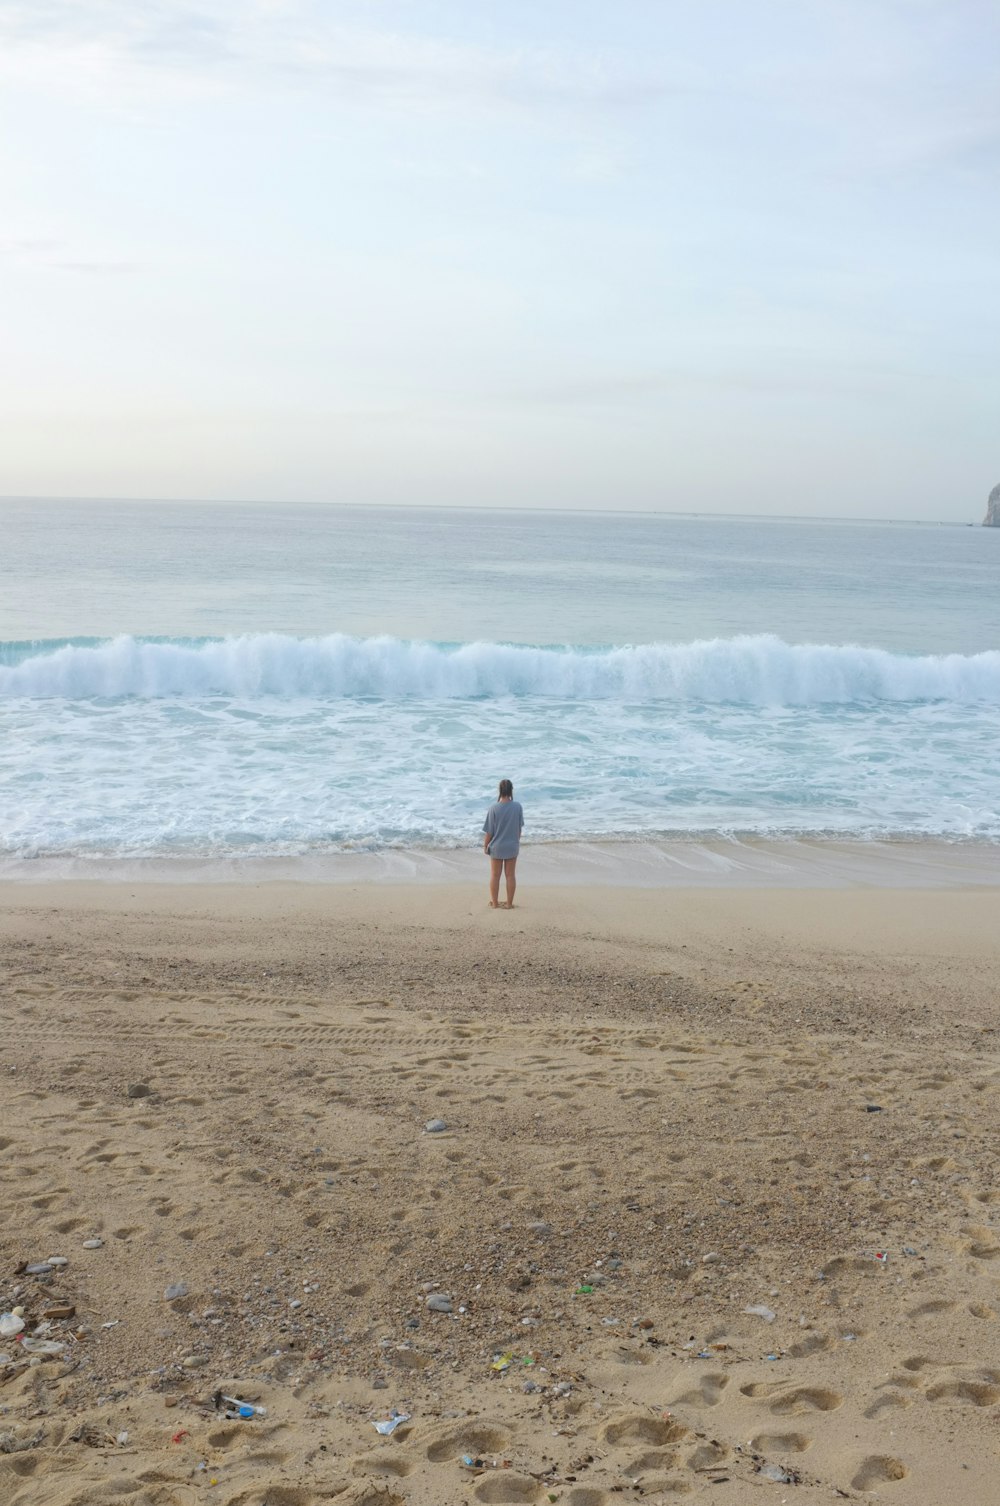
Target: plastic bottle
point(10, 1324)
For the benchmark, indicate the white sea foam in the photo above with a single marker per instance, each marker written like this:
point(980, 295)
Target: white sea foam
point(760, 670)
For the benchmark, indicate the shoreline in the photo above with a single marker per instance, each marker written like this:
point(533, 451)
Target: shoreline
point(812, 862)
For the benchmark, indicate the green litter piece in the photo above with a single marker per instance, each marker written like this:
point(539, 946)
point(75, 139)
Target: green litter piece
point(584, 1291)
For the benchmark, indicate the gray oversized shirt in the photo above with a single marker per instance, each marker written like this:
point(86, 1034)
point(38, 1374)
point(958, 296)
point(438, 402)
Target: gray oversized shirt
point(504, 823)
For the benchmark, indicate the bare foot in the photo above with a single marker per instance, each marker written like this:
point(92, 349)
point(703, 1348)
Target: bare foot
point(509, 905)
point(494, 905)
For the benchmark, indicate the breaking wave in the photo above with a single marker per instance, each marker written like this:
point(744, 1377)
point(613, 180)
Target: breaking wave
point(760, 670)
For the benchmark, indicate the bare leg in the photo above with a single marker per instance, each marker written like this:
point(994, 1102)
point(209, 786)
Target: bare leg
point(496, 868)
point(508, 872)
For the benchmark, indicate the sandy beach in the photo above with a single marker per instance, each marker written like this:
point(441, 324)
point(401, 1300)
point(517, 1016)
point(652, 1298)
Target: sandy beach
point(713, 1211)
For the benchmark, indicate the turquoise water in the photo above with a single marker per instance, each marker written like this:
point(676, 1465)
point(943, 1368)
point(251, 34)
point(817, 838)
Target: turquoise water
point(222, 680)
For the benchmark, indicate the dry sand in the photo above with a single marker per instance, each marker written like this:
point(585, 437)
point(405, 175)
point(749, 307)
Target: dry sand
point(657, 1109)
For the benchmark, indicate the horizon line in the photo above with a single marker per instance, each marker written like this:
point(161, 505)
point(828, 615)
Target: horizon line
point(648, 512)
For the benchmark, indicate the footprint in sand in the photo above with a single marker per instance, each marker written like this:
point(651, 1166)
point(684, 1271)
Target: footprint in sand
point(977, 1393)
point(892, 1401)
point(639, 1428)
point(654, 1458)
point(365, 1495)
point(781, 1443)
point(806, 1399)
point(708, 1393)
point(385, 1463)
point(879, 1469)
point(707, 1456)
point(816, 1343)
point(474, 1440)
point(932, 1308)
point(505, 1486)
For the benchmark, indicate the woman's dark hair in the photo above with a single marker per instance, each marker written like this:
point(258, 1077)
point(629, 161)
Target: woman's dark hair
point(506, 790)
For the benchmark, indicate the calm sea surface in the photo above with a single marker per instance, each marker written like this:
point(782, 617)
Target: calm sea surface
point(195, 680)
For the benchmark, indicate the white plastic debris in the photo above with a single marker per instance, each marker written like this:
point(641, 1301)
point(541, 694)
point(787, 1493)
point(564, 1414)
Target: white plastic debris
point(391, 1423)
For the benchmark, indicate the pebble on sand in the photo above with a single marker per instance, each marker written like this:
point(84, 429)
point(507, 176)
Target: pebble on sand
point(138, 1090)
point(435, 1126)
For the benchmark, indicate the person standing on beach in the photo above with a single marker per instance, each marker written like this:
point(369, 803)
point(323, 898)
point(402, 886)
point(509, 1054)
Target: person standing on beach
point(502, 842)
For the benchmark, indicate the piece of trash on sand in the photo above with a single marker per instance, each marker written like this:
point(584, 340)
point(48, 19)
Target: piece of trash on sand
point(767, 1313)
point(882, 1256)
point(41, 1346)
point(435, 1127)
point(114, 1322)
point(10, 1324)
point(390, 1424)
point(584, 1291)
point(776, 1473)
point(178, 1437)
point(502, 1362)
point(236, 1407)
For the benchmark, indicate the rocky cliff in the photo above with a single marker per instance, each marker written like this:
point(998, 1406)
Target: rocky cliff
point(992, 518)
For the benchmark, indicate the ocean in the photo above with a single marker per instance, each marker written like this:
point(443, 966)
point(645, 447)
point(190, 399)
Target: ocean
point(246, 681)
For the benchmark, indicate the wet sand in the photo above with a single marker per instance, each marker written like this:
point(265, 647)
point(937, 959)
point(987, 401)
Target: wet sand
point(663, 1106)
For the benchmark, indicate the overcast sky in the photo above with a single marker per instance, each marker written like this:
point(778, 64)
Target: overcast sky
point(722, 255)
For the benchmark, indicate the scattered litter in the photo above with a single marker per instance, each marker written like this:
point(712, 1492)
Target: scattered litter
point(584, 1291)
point(873, 1108)
point(909, 1250)
point(123, 1437)
point(178, 1437)
point(502, 1362)
point(58, 1311)
point(391, 1423)
point(179, 1289)
point(236, 1407)
point(112, 1324)
point(882, 1256)
point(767, 1313)
point(10, 1324)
